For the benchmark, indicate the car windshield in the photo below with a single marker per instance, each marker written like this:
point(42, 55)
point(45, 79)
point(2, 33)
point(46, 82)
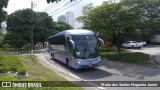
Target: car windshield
point(86, 46)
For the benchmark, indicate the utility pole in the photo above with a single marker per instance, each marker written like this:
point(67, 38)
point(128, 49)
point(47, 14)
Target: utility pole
point(33, 23)
point(32, 5)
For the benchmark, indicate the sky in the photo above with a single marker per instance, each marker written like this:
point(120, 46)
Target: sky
point(54, 8)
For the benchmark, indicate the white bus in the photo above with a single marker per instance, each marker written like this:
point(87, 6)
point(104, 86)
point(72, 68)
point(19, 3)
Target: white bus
point(77, 48)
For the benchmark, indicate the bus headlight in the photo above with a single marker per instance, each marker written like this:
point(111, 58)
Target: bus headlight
point(83, 62)
point(79, 62)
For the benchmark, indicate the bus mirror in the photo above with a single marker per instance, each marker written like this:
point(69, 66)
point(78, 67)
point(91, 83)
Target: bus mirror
point(73, 44)
point(101, 41)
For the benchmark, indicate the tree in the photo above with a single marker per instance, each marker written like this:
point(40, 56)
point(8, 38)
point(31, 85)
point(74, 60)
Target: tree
point(148, 13)
point(87, 22)
point(60, 26)
point(19, 23)
point(128, 17)
point(3, 3)
point(112, 19)
point(3, 14)
point(115, 19)
point(86, 13)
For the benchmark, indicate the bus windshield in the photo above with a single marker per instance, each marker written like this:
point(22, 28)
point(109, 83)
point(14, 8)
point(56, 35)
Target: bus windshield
point(86, 46)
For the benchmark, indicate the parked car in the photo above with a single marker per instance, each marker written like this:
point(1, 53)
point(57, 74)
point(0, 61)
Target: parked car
point(144, 43)
point(132, 44)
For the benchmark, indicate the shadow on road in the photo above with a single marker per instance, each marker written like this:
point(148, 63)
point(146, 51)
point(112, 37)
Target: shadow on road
point(87, 74)
point(130, 70)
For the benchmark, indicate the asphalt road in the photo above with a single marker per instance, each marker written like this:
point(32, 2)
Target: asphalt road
point(151, 50)
point(112, 71)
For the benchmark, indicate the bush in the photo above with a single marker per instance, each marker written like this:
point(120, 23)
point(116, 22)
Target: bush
point(9, 63)
point(21, 71)
point(111, 49)
point(137, 57)
point(4, 69)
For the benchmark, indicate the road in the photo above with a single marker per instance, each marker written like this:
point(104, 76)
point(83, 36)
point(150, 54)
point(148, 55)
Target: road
point(111, 71)
point(151, 50)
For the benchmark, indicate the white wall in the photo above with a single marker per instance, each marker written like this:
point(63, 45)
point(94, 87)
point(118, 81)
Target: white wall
point(155, 39)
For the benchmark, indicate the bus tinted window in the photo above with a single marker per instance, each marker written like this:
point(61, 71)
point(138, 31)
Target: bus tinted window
point(59, 40)
point(86, 46)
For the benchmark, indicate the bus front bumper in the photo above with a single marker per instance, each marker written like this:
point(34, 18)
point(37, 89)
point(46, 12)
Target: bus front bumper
point(88, 65)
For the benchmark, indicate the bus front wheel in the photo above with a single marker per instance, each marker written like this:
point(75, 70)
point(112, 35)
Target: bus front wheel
point(52, 55)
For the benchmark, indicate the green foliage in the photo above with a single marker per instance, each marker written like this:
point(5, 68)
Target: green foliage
point(19, 27)
point(148, 13)
point(116, 21)
point(14, 39)
point(4, 69)
point(3, 14)
point(36, 73)
point(9, 63)
point(86, 12)
point(3, 3)
point(21, 71)
point(111, 49)
point(1, 40)
point(21, 22)
point(61, 26)
point(136, 57)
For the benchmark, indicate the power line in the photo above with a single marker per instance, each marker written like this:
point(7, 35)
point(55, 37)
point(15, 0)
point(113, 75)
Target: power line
point(61, 7)
point(49, 7)
point(36, 2)
point(66, 8)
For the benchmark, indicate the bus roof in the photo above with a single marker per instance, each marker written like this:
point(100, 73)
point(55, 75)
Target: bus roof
point(74, 32)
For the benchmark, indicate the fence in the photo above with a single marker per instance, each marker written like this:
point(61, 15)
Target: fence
point(17, 50)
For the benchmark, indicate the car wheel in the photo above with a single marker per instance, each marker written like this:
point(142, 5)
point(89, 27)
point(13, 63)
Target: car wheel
point(123, 46)
point(139, 47)
point(132, 47)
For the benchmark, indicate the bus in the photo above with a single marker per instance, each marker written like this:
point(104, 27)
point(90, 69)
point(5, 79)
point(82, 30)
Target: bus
point(77, 48)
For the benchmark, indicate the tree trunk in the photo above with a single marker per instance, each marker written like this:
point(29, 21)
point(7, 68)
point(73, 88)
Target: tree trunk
point(118, 47)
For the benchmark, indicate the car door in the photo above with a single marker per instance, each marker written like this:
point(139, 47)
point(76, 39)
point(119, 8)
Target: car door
point(128, 44)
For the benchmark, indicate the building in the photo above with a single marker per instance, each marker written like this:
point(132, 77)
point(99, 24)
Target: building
point(3, 27)
point(62, 18)
point(70, 18)
point(155, 39)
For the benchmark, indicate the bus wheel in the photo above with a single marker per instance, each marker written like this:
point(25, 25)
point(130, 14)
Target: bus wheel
point(52, 55)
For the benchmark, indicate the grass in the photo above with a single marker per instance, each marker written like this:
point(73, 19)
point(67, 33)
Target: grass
point(36, 73)
point(125, 56)
point(10, 63)
point(112, 50)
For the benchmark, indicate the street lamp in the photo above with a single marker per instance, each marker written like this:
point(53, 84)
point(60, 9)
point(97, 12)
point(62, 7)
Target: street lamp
point(32, 33)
